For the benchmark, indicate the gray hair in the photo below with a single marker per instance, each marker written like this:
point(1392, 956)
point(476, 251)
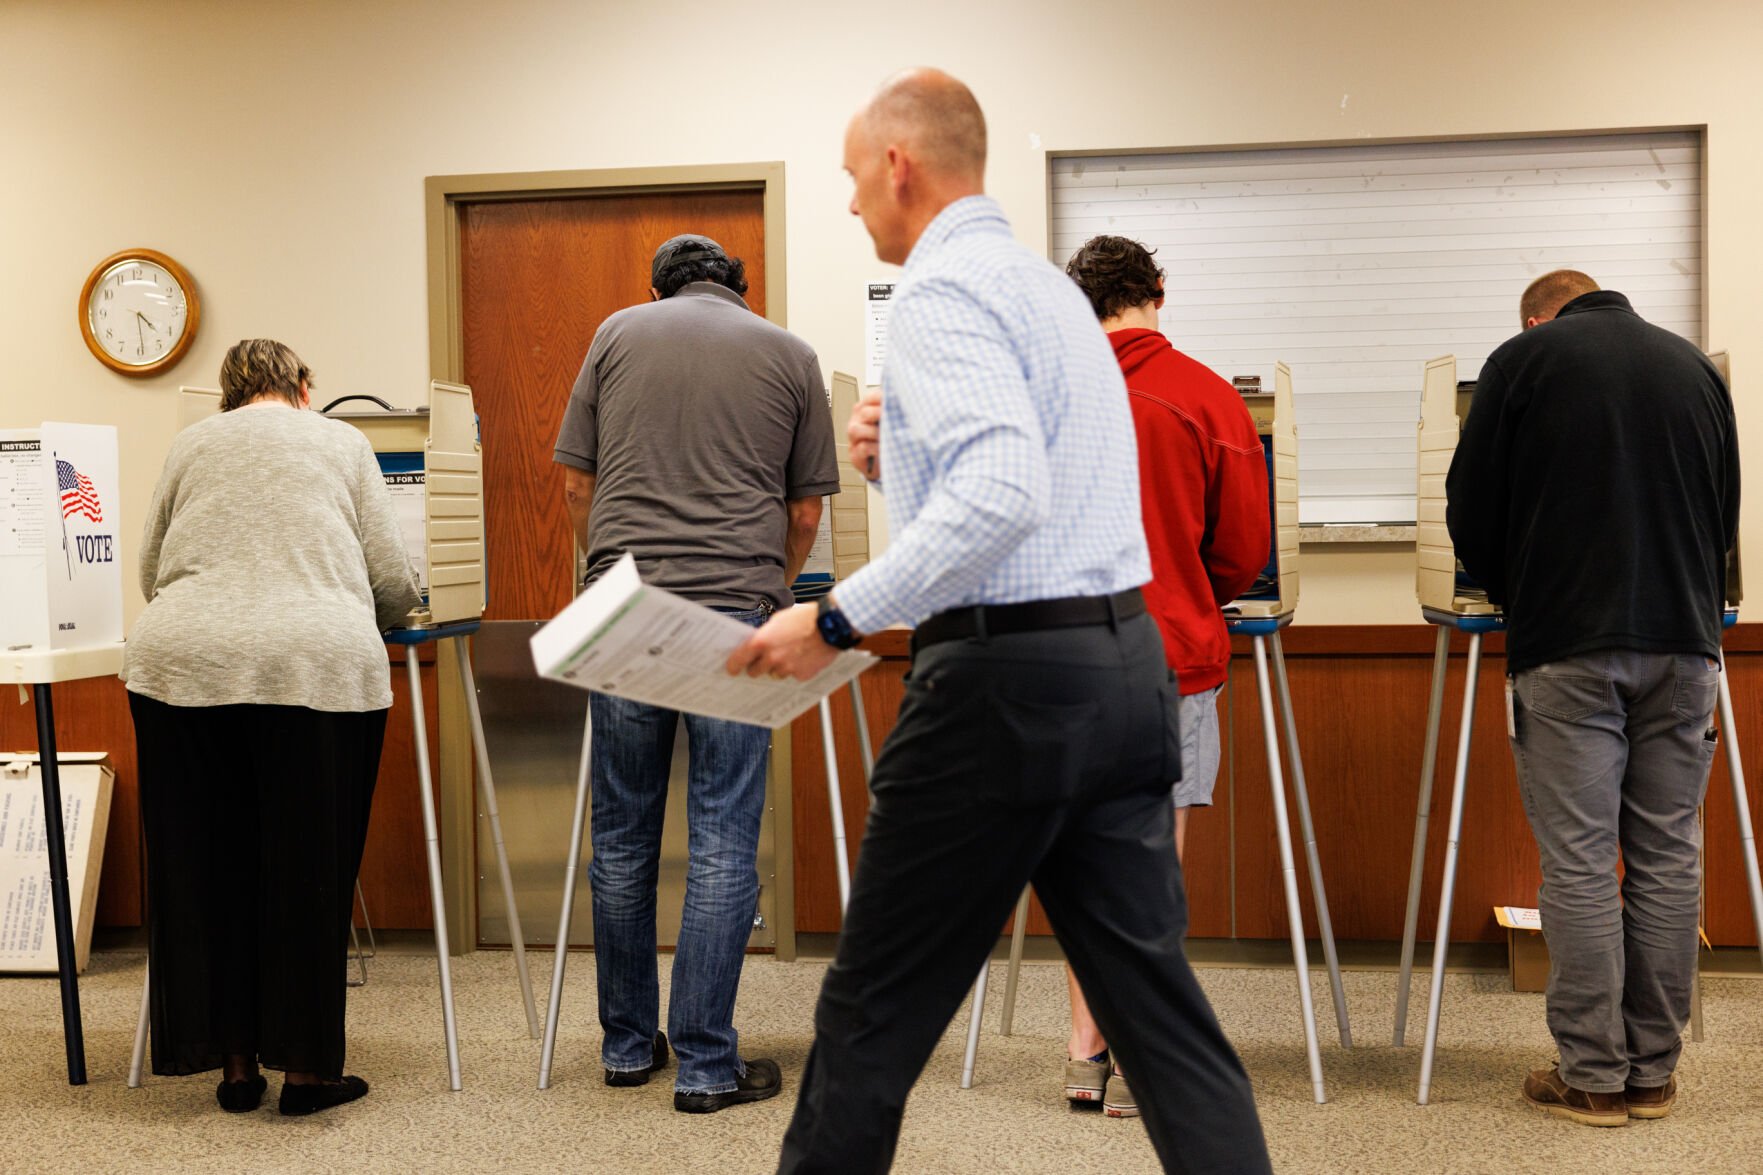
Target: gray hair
point(261, 367)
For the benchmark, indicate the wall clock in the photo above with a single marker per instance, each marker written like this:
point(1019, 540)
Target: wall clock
point(139, 311)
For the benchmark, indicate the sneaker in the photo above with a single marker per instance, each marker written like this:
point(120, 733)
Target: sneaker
point(1085, 1080)
point(1652, 1101)
point(1120, 1102)
point(761, 1080)
point(1546, 1090)
point(658, 1062)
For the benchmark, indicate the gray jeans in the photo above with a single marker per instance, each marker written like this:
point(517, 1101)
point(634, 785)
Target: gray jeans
point(1613, 750)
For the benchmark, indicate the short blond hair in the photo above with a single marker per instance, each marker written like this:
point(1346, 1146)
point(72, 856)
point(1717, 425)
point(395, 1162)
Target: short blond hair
point(261, 367)
point(1544, 297)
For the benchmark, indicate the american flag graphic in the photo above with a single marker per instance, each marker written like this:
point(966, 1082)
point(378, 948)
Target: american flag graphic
point(78, 496)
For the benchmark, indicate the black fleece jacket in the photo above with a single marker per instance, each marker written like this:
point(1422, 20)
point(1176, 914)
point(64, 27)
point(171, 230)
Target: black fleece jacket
point(1595, 489)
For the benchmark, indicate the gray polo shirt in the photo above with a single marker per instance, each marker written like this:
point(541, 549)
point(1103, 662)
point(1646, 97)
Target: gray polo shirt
point(699, 420)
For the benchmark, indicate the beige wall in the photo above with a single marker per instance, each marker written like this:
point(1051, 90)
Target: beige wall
point(278, 151)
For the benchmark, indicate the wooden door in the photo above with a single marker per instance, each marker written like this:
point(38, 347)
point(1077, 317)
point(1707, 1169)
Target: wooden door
point(538, 278)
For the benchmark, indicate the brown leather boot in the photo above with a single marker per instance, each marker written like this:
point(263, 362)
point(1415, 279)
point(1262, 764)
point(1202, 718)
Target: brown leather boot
point(1545, 1090)
point(1651, 1102)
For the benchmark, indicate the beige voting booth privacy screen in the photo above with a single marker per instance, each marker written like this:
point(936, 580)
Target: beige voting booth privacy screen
point(1275, 423)
point(1444, 406)
point(438, 493)
point(849, 507)
point(27, 923)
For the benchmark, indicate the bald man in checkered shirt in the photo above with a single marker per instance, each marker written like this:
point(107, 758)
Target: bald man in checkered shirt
point(1035, 742)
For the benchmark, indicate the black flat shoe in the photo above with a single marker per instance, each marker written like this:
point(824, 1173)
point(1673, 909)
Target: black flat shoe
point(641, 1076)
point(241, 1097)
point(761, 1080)
point(298, 1100)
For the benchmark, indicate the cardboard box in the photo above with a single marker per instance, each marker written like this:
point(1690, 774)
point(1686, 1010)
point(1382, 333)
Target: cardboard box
point(1527, 953)
point(27, 913)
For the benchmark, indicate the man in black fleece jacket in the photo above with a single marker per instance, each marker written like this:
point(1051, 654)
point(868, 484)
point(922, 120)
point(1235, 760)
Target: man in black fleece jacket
point(1595, 494)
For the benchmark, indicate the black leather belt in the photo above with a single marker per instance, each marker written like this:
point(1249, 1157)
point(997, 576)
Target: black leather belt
point(983, 620)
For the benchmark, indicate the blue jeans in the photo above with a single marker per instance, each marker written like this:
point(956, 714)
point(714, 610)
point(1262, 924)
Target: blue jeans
point(725, 799)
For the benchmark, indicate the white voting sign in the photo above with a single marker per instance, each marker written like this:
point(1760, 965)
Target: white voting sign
point(60, 509)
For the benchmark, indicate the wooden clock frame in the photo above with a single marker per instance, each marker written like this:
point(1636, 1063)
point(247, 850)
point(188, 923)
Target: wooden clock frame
point(192, 313)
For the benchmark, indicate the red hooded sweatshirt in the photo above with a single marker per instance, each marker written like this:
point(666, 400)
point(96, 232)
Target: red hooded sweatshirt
point(1203, 490)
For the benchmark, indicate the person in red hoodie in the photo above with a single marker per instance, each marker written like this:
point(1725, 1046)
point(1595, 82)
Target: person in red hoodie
point(1203, 495)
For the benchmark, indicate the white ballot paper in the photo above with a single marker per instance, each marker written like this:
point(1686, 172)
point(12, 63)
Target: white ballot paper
point(626, 638)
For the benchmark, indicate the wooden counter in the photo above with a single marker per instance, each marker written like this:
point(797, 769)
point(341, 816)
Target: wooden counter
point(1359, 694)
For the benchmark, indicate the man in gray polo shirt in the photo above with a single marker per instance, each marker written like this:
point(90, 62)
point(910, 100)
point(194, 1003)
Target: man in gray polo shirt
point(697, 439)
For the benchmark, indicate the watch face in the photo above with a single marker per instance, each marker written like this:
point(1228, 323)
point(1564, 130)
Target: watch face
point(138, 312)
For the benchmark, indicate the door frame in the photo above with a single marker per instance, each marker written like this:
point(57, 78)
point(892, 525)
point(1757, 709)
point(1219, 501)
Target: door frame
point(445, 198)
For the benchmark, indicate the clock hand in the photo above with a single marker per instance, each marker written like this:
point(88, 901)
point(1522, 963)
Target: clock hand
point(151, 325)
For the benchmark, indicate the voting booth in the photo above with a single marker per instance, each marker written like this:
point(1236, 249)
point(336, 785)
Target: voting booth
point(1451, 600)
point(60, 620)
point(432, 465)
point(1260, 614)
point(841, 546)
point(431, 459)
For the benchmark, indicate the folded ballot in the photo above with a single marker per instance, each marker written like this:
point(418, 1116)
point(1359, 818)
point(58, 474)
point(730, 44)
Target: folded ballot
point(632, 640)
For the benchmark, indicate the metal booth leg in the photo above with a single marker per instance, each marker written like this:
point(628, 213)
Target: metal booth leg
point(138, 1058)
point(583, 775)
point(978, 1013)
point(487, 790)
point(67, 959)
point(836, 804)
point(1017, 933)
point(1454, 832)
point(431, 834)
point(1741, 802)
point(1325, 926)
point(1441, 657)
point(1288, 869)
point(373, 946)
point(862, 728)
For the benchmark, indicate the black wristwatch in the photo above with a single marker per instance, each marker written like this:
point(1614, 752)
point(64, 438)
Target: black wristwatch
point(835, 630)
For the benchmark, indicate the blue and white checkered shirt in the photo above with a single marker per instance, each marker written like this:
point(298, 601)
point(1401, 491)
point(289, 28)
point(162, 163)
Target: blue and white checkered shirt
point(1006, 440)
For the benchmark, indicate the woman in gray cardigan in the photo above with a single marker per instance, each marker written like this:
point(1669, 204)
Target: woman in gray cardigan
point(259, 688)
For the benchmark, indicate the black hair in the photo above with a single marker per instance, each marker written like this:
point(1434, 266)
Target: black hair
point(724, 271)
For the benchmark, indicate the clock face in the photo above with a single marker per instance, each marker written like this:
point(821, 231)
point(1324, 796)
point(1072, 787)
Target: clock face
point(138, 313)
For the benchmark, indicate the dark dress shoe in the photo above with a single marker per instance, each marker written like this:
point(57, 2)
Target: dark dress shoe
point(241, 1097)
point(299, 1100)
point(761, 1080)
point(641, 1076)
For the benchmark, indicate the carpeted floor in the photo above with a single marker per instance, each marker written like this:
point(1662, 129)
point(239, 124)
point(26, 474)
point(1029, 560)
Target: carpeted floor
point(1013, 1120)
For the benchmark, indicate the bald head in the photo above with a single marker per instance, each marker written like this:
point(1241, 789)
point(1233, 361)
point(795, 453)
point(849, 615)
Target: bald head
point(1545, 296)
point(935, 118)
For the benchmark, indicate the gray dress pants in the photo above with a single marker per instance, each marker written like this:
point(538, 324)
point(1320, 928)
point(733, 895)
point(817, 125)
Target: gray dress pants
point(1613, 750)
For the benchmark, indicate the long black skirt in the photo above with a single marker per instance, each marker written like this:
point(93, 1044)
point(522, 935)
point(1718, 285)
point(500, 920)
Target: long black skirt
point(255, 820)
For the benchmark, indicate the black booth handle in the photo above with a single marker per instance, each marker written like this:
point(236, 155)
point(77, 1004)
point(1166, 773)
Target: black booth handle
point(357, 396)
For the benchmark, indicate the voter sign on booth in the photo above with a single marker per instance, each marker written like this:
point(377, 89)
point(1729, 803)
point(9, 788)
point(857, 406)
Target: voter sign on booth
point(60, 510)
